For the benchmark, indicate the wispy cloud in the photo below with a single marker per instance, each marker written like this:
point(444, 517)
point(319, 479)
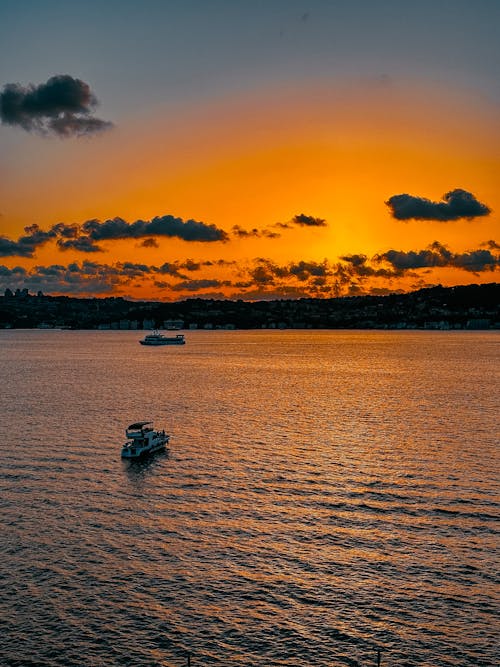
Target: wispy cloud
point(242, 233)
point(63, 106)
point(455, 205)
point(300, 220)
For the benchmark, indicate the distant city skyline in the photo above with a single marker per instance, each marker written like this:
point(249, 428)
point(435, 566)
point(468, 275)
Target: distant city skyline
point(248, 150)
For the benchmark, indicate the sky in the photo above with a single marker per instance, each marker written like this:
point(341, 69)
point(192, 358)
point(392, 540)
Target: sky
point(248, 149)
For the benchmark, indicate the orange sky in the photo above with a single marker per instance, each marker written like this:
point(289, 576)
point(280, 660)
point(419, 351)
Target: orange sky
point(333, 150)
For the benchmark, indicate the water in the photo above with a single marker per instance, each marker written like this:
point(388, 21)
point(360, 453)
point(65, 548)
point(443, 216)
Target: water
point(325, 494)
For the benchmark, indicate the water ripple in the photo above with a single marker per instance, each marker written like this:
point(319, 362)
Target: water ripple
point(320, 499)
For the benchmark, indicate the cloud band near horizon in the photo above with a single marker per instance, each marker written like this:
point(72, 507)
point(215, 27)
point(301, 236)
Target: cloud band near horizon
point(350, 275)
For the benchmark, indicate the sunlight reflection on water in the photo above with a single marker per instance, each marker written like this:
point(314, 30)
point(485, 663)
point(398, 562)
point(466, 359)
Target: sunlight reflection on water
point(324, 493)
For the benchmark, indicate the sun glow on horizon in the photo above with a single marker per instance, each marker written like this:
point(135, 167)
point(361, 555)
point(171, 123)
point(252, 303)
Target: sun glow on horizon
point(253, 163)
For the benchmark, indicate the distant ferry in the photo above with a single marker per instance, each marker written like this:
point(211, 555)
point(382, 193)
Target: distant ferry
point(143, 440)
point(157, 338)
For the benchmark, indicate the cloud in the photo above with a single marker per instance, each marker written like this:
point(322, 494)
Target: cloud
point(25, 246)
point(457, 204)
point(191, 265)
point(267, 274)
point(355, 260)
point(197, 285)
point(82, 244)
point(87, 236)
point(17, 271)
point(304, 270)
point(438, 255)
point(477, 261)
point(257, 233)
point(9, 248)
point(87, 279)
point(492, 245)
point(170, 269)
point(95, 278)
point(65, 231)
point(149, 243)
point(62, 106)
point(84, 238)
point(255, 279)
point(166, 225)
point(308, 221)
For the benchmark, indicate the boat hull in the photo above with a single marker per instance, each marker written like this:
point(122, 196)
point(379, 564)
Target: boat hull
point(140, 452)
point(163, 342)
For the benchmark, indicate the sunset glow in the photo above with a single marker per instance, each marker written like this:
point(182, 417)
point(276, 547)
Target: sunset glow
point(280, 172)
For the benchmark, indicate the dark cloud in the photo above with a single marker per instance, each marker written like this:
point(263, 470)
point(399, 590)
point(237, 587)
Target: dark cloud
point(69, 125)
point(315, 279)
point(492, 245)
point(62, 106)
point(305, 270)
point(65, 231)
point(25, 246)
point(149, 243)
point(477, 261)
point(76, 279)
point(262, 275)
point(357, 267)
point(244, 233)
point(9, 248)
point(191, 265)
point(456, 204)
point(355, 260)
point(196, 285)
point(308, 221)
point(171, 269)
point(258, 278)
point(82, 244)
point(438, 255)
point(240, 232)
point(416, 259)
point(266, 272)
point(5, 272)
point(35, 236)
point(167, 225)
point(84, 238)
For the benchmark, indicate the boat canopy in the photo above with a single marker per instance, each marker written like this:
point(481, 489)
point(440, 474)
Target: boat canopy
point(137, 425)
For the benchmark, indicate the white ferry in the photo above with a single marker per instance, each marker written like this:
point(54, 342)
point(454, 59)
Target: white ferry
point(142, 440)
point(157, 338)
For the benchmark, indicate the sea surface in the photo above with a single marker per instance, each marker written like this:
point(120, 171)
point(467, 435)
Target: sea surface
point(326, 494)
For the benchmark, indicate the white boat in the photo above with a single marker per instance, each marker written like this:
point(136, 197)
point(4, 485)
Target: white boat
point(157, 338)
point(142, 439)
